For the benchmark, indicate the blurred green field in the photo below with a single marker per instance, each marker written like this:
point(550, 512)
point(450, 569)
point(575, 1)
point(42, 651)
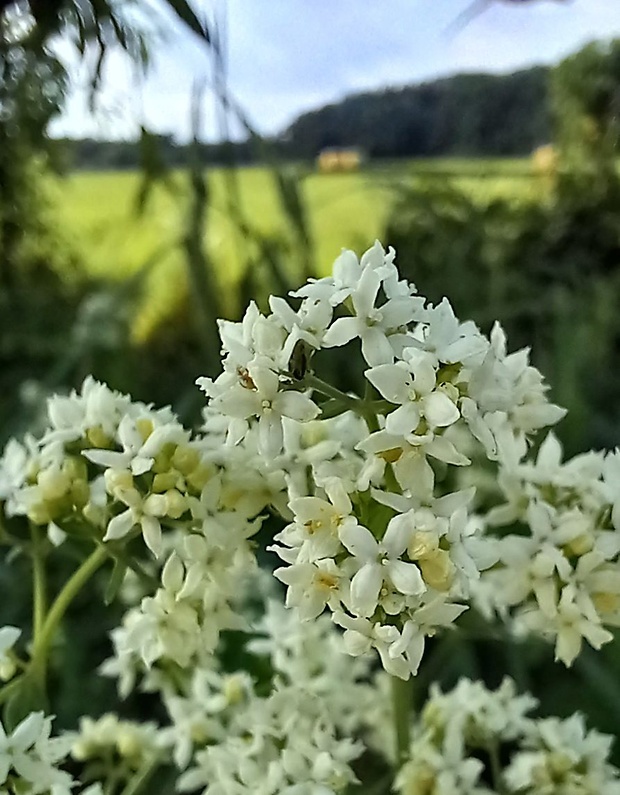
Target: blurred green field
point(345, 210)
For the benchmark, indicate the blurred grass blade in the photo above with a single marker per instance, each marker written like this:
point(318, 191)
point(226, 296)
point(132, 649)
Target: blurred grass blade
point(184, 12)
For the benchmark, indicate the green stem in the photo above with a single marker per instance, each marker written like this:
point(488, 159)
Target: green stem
point(145, 578)
point(496, 769)
point(39, 588)
point(351, 402)
point(361, 407)
point(140, 777)
point(70, 590)
point(401, 709)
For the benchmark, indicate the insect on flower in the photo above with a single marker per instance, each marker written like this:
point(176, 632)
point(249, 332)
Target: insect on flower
point(299, 363)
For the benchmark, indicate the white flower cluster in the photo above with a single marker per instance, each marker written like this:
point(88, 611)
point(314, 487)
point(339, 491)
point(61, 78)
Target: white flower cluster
point(373, 538)
point(111, 470)
point(292, 739)
point(115, 746)
point(202, 583)
point(29, 758)
point(52, 480)
point(280, 745)
point(474, 741)
point(561, 579)
point(180, 624)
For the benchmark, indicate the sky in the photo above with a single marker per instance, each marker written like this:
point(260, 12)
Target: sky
point(288, 56)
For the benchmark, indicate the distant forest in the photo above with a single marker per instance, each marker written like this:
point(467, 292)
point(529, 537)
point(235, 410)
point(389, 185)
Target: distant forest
point(464, 115)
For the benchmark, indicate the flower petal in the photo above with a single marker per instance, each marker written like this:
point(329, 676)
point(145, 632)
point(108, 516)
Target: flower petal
point(439, 410)
point(406, 577)
point(359, 541)
point(343, 330)
point(120, 525)
point(392, 380)
point(365, 587)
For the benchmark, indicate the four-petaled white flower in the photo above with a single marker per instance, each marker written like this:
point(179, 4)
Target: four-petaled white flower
point(411, 383)
point(373, 325)
point(378, 563)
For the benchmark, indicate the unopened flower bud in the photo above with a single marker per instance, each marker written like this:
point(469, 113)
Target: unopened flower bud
point(164, 481)
point(98, 438)
point(437, 570)
point(117, 479)
point(53, 483)
point(176, 504)
point(155, 505)
point(422, 544)
point(185, 459)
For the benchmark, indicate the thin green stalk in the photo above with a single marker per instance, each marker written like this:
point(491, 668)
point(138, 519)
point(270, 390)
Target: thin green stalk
point(355, 404)
point(372, 421)
point(68, 593)
point(39, 587)
point(141, 776)
point(496, 769)
point(401, 709)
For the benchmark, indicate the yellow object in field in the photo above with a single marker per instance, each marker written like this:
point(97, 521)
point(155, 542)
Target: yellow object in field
point(333, 160)
point(545, 161)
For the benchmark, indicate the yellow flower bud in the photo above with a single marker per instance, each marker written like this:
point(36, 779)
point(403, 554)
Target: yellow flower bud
point(128, 743)
point(164, 481)
point(420, 782)
point(81, 750)
point(117, 479)
point(94, 514)
point(606, 602)
point(233, 689)
point(79, 493)
point(200, 476)
point(155, 505)
point(161, 463)
point(53, 483)
point(185, 459)
point(7, 669)
point(39, 513)
point(97, 438)
point(422, 544)
point(437, 570)
point(176, 504)
point(75, 467)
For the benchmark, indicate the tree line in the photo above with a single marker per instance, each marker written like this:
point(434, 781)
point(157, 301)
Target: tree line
point(464, 115)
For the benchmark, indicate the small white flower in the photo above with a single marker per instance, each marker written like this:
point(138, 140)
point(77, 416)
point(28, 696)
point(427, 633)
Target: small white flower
point(379, 562)
point(411, 383)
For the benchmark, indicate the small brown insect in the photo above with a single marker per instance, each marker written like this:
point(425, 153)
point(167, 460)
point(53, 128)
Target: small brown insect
point(299, 363)
point(246, 379)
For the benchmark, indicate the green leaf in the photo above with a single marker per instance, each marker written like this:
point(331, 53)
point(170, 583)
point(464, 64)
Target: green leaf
point(115, 581)
point(29, 696)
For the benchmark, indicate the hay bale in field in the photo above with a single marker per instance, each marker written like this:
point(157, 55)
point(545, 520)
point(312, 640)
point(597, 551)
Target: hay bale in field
point(545, 161)
point(339, 159)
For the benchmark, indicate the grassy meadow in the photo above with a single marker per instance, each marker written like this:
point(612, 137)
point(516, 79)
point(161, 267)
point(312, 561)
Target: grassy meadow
point(98, 212)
